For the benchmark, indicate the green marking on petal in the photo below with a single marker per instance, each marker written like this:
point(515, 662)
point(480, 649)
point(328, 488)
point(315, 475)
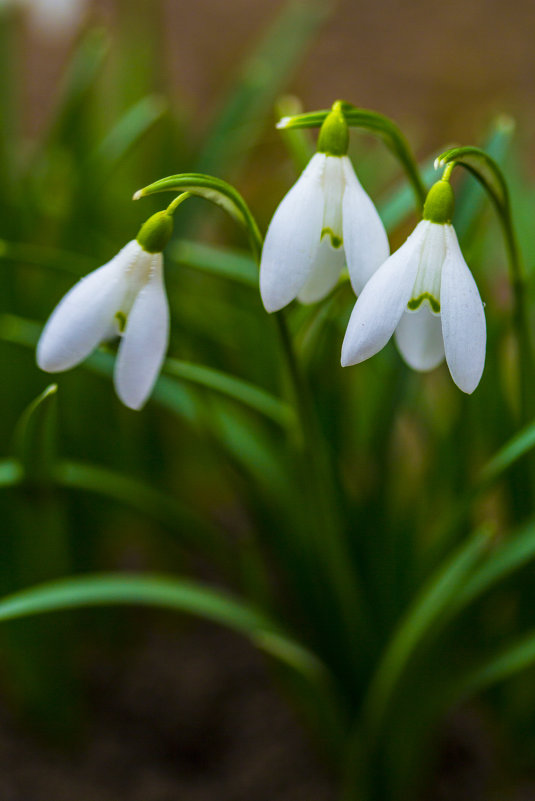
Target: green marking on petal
point(336, 241)
point(415, 303)
point(121, 321)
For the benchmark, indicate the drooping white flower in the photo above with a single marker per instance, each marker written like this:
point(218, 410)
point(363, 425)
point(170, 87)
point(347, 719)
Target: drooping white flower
point(324, 222)
point(426, 294)
point(124, 298)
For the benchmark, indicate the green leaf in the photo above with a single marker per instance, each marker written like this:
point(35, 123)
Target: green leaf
point(188, 526)
point(35, 435)
point(421, 619)
point(125, 134)
point(513, 450)
point(25, 332)
point(518, 656)
point(234, 265)
point(515, 552)
point(80, 78)
point(50, 258)
point(236, 388)
point(180, 595)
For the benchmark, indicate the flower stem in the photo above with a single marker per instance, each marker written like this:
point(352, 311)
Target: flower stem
point(173, 206)
point(331, 545)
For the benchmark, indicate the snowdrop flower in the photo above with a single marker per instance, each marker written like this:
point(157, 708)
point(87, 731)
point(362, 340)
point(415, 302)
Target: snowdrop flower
point(427, 295)
point(125, 298)
point(324, 221)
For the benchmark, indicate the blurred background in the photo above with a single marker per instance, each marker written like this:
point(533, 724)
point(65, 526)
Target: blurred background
point(97, 100)
point(441, 71)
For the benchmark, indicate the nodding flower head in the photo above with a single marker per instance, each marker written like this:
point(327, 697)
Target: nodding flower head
point(426, 294)
point(124, 298)
point(324, 222)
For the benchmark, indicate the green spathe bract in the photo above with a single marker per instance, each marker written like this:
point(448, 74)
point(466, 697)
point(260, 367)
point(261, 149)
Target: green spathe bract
point(156, 232)
point(439, 203)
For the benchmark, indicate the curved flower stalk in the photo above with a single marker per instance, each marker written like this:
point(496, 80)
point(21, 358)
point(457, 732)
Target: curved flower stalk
point(426, 294)
point(124, 298)
point(325, 221)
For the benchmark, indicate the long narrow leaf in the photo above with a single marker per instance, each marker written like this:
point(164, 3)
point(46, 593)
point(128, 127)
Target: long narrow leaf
point(232, 387)
point(517, 551)
point(512, 659)
point(130, 128)
point(513, 450)
point(167, 593)
point(222, 262)
point(35, 435)
point(421, 618)
point(26, 332)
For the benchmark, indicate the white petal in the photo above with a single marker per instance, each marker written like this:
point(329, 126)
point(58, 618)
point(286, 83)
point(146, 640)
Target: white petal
point(365, 239)
point(293, 238)
point(326, 270)
point(145, 340)
point(419, 338)
point(84, 317)
point(463, 318)
point(382, 301)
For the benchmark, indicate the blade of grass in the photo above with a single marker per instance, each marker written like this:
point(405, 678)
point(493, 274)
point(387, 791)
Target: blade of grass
point(124, 135)
point(190, 528)
point(25, 332)
point(79, 81)
point(236, 388)
point(515, 657)
point(34, 438)
point(421, 619)
point(49, 258)
point(176, 594)
point(235, 265)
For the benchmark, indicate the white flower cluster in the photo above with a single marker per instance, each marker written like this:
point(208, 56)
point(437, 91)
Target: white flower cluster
point(424, 293)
